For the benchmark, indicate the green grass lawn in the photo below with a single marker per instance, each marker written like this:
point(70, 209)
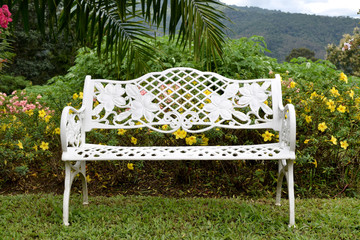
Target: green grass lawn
point(40, 217)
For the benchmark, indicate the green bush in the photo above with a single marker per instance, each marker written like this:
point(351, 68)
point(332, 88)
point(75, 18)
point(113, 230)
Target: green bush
point(9, 83)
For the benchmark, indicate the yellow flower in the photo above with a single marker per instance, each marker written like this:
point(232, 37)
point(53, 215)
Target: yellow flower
point(44, 146)
point(307, 141)
point(334, 92)
point(308, 119)
point(341, 108)
point(121, 131)
point(292, 84)
point(133, 140)
point(190, 140)
point(130, 166)
point(267, 136)
point(351, 94)
point(81, 95)
point(42, 113)
point(315, 163)
point(30, 112)
point(165, 127)
point(88, 179)
point(322, 126)
point(204, 141)
point(35, 147)
point(344, 144)
point(47, 118)
point(343, 77)
point(180, 134)
point(331, 105)
point(20, 145)
point(75, 96)
point(207, 92)
point(314, 94)
point(333, 140)
point(57, 131)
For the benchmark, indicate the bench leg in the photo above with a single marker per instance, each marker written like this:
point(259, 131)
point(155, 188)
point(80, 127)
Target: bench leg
point(70, 172)
point(67, 193)
point(84, 183)
point(290, 183)
point(281, 173)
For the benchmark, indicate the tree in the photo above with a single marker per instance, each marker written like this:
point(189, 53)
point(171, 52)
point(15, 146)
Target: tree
point(128, 26)
point(346, 56)
point(301, 52)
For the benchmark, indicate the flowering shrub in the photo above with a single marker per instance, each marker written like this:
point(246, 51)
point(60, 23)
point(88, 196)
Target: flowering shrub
point(5, 18)
point(327, 105)
point(28, 134)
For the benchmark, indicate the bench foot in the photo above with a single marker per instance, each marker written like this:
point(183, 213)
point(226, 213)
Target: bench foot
point(286, 168)
point(70, 172)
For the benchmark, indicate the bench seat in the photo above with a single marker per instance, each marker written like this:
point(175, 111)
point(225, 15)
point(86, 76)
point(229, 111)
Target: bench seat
point(88, 152)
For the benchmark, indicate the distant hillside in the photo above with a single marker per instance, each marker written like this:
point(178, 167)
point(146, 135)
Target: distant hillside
point(285, 31)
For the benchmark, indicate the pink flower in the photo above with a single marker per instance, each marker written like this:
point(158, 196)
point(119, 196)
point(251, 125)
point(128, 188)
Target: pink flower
point(23, 103)
point(5, 16)
point(39, 96)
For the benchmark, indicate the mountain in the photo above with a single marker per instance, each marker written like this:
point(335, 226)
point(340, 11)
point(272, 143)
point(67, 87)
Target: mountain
point(286, 31)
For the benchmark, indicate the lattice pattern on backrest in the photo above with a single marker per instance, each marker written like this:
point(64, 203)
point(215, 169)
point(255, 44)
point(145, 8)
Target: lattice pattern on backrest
point(181, 98)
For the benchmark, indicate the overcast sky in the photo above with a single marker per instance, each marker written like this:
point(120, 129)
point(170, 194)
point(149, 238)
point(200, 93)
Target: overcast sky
point(347, 8)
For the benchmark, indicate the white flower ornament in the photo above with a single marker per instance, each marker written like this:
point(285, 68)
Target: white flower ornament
point(109, 97)
point(141, 105)
point(221, 106)
point(255, 96)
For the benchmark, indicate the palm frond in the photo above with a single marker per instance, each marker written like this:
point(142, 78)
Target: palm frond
point(126, 25)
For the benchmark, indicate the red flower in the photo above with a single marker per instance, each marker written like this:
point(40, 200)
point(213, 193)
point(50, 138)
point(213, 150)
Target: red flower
point(5, 16)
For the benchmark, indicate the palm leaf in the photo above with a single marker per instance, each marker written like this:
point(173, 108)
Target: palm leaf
point(124, 25)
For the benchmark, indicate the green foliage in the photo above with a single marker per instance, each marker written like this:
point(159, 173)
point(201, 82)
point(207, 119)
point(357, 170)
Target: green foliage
point(301, 52)
point(9, 83)
point(126, 27)
point(245, 58)
point(39, 58)
point(346, 56)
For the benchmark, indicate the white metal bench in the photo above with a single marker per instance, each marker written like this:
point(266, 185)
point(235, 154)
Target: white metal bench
point(183, 98)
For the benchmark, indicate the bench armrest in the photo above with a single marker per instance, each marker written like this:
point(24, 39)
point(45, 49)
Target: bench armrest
point(287, 134)
point(71, 127)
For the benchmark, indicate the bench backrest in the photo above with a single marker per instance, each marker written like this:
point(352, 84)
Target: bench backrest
point(182, 98)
